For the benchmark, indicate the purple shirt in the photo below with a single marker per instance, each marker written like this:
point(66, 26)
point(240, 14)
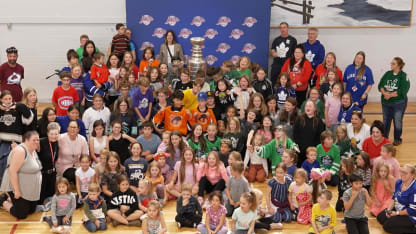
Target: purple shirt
point(142, 101)
point(78, 84)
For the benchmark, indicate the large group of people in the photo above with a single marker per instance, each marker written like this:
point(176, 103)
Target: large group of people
point(131, 135)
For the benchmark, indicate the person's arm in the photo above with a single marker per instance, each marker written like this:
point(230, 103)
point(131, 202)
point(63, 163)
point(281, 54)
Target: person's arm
point(227, 193)
point(91, 147)
point(78, 186)
point(163, 225)
point(16, 162)
point(268, 200)
point(106, 191)
point(147, 117)
point(207, 226)
point(313, 224)
point(233, 221)
point(251, 229)
point(129, 138)
point(88, 212)
point(222, 221)
point(144, 226)
point(73, 206)
point(336, 163)
point(368, 200)
point(53, 211)
point(327, 123)
point(179, 208)
point(349, 199)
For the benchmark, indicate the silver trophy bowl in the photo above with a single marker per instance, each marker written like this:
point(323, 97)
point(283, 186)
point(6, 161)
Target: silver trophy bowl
point(196, 62)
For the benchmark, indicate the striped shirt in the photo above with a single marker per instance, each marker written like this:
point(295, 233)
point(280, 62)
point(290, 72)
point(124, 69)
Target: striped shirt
point(121, 44)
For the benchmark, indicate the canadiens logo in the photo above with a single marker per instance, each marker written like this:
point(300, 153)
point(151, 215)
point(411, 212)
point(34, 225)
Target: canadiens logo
point(172, 20)
point(211, 33)
point(145, 45)
point(7, 119)
point(197, 21)
point(235, 59)
point(159, 32)
point(211, 59)
point(65, 101)
point(248, 48)
point(185, 32)
point(223, 47)
point(146, 19)
point(223, 21)
point(249, 21)
point(236, 34)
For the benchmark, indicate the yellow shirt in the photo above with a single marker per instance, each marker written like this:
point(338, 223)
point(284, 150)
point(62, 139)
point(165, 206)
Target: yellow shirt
point(190, 101)
point(323, 218)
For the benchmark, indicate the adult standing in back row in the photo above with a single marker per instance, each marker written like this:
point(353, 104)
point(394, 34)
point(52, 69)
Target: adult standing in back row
point(11, 74)
point(282, 48)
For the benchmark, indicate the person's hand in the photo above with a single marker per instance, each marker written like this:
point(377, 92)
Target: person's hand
point(328, 124)
point(188, 112)
point(83, 102)
point(150, 62)
point(356, 103)
point(364, 96)
point(250, 90)
point(328, 177)
point(65, 220)
point(236, 204)
point(250, 148)
point(292, 207)
point(294, 86)
point(299, 83)
point(124, 208)
point(354, 193)
point(270, 210)
point(185, 202)
point(273, 53)
point(97, 223)
point(55, 224)
point(394, 94)
point(228, 92)
point(17, 194)
point(13, 145)
point(232, 203)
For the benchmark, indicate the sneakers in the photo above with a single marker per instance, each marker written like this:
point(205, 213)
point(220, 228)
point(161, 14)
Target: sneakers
point(397, 142)
point(59, 229)
point(179, 225)
point(135, 223)
point(3, 198)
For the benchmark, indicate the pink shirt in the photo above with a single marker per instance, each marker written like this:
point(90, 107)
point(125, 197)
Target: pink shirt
point(213, 174)
point(215, 216)
point(69, 152)
point(189, 173)
point(392, 162)
point(333, 104)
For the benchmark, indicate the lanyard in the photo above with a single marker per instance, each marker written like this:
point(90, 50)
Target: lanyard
point(52, 153)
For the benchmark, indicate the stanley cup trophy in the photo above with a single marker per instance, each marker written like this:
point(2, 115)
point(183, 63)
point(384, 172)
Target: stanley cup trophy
point(196, 62)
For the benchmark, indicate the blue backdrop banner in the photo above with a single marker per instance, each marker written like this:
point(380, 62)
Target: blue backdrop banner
point(231, 28)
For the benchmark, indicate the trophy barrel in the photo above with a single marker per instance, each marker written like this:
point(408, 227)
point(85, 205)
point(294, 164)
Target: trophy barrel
point(196, 62)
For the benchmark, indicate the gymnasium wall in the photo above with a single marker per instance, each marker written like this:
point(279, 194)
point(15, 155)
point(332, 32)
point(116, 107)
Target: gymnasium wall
point(44, 32)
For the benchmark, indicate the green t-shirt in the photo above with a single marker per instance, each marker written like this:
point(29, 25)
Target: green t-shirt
point(329, 160)
point(275, 151)
point(394, 83)
point(213, 145)
point(235, 75)
point(196, 147)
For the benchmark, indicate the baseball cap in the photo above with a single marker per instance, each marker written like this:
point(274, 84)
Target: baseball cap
point(210, 94)
point(159, 155)
point(202, 96)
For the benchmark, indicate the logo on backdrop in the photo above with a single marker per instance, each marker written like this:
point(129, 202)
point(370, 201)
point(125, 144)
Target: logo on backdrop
point(146, 19)
point(211, 59)
point(159, 32)
point(236, 34)
point(248, 48)
point(185, 32)
point(249, 21)
point(172, 20)
point(235, 59)
point(197, 21)
point(223, 21)
point(211, 33)
point(223, 47)
point(146, 44)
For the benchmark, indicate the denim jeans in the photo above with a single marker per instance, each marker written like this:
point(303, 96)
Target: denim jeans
point(393, 111)
point(91, 227)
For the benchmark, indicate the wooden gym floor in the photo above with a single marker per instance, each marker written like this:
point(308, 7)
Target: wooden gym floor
point(33, 223)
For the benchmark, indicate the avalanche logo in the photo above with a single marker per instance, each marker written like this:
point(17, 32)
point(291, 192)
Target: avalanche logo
point(211, 59)
point(145, 45)
point(146, 19)
point(197, 21)
point(159, 32)
point(185, 33)
point(248, 48)
point(172, 20)
point(235, 59)
point(211, 33)
point(14, 78)
point(223, 47)
point(223, 21)
point(236, 34)
point(249, 21)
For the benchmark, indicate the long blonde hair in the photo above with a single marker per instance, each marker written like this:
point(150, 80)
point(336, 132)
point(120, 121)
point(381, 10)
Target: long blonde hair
point(237, 123)
point(26, 94)
point(263, 106)
point(376, 176)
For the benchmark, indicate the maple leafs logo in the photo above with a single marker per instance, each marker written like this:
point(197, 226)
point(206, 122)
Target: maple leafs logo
point(282, 95)
point(282, 50)
point(310, 56)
